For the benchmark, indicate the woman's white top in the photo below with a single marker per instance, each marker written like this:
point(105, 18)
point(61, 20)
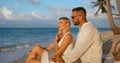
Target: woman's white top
point(45, 56)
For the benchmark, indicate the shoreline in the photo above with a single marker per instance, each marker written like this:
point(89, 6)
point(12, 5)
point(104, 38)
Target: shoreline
point(108, 39)
point(20, 60)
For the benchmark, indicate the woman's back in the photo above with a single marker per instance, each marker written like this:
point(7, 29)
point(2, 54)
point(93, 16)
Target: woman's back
point(69, 47)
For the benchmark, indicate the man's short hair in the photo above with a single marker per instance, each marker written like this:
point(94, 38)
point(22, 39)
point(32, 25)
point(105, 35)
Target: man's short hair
point(78, 9)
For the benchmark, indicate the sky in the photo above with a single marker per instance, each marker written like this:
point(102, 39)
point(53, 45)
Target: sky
point(45, 13)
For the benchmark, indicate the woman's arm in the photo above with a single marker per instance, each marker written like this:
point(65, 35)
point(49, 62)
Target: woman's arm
point(52, 46)
point(67, 40)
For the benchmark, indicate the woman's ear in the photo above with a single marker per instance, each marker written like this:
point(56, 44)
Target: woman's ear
point(67, 24)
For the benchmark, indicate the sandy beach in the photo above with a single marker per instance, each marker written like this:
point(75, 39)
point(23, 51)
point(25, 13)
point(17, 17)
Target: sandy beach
point(109, 40)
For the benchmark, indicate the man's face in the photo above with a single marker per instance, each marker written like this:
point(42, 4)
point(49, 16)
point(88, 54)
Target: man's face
point(75, 18)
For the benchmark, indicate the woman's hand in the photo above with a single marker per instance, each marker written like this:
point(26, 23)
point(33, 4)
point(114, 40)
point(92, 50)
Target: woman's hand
point(29, 52)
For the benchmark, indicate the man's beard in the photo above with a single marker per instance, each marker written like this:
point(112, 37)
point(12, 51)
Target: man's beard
point(77, 23)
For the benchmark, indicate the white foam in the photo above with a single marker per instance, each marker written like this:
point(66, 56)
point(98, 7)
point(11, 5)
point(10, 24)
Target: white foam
point(5, 49)
point(7, 57)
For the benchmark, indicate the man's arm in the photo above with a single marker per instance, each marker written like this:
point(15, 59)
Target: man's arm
point(83, 42)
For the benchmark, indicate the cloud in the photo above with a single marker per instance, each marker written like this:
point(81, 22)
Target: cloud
point(35, 15)
point(90, 14)
point(59, 11)
point(55, 13)
point(0, 15)
point(40, 16)
point(34, 2)
point(16, 5)
point(6, 13)
point(88, 3)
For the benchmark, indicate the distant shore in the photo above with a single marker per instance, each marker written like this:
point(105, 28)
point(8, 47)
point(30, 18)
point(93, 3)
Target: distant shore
point(108, 38)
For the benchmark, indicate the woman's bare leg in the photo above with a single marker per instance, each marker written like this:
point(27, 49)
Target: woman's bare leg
point(32, 55)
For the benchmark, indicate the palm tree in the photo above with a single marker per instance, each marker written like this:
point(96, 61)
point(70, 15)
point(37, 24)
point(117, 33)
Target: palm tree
point(118, 6)
point(115, 29)
point(102, 5)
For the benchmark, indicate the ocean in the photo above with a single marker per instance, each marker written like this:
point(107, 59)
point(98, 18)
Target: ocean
point(15, 42)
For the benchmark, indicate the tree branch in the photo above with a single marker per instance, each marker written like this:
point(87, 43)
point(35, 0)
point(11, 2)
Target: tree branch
point(115, 14)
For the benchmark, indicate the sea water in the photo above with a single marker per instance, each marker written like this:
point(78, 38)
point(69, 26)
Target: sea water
point(15, 42)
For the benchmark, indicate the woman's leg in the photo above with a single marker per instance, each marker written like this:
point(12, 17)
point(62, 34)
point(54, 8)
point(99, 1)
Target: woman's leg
point(32, 54)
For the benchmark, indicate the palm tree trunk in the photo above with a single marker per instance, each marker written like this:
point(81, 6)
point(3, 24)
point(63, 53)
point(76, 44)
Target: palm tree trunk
point(118, 5)
point(110, 18)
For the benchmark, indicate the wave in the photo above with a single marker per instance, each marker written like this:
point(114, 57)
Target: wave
point(10, 48)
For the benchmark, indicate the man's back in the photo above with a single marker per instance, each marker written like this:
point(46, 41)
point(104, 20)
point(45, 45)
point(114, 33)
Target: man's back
point(94, 51)
point(88, 46)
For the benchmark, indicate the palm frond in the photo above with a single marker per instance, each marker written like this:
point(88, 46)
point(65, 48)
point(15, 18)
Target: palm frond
point(96, 13)
point(94, 2)
point(113, 7)
point(95, 5)
point(103, 10)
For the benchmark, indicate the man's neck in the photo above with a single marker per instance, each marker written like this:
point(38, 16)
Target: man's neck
point(82, 22)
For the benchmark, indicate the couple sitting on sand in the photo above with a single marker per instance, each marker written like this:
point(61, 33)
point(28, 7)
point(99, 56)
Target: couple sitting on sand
point(88, 46)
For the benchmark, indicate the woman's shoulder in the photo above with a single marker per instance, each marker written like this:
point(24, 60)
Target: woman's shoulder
point(68, 35)
point(69, 38)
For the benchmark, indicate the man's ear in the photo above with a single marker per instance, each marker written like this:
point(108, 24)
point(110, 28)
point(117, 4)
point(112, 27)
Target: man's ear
point(80, 18)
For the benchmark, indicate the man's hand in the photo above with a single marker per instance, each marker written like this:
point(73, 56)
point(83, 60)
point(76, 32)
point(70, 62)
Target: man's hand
point(57, 59)
point(54, 58)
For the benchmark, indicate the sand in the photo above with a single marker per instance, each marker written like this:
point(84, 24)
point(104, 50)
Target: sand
point(109, 41)
point(21, 60)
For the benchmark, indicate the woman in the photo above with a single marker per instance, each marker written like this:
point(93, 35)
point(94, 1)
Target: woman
point(62, 44)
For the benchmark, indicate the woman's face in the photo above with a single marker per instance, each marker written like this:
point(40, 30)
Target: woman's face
point(62, 25)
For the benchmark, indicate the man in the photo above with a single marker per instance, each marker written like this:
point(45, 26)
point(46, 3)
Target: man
point(88, 47)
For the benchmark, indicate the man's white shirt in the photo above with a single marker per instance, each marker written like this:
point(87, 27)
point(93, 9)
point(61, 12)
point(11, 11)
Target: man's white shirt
point(88, 46)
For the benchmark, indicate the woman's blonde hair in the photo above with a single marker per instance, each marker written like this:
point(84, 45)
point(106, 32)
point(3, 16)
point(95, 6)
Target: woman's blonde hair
point(67, 20)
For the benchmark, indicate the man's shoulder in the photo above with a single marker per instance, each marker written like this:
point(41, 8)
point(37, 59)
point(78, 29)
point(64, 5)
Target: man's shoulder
point(89, 27)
